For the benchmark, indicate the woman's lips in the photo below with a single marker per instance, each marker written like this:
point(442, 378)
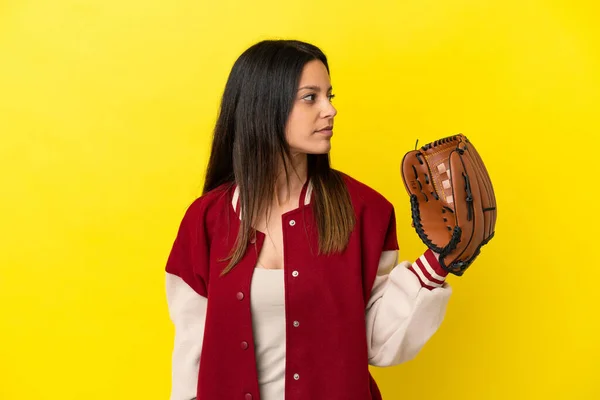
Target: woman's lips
point(326, 132)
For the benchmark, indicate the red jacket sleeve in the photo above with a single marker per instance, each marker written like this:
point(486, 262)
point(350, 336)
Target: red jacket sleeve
point(378, 234)
point(189, 258)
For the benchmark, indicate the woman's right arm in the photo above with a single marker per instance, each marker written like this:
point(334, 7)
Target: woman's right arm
point(187, 297)
point(187, 310)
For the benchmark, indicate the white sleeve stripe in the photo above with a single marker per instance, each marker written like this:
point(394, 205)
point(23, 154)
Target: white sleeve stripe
point(434, 275)
point(419, 271)
point(411, 269)
point(422, 277)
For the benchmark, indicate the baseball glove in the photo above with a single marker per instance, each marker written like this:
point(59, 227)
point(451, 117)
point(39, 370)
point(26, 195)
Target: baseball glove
point(452, 200)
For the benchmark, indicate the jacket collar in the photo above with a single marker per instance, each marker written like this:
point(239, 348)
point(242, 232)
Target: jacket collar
point(305, 194)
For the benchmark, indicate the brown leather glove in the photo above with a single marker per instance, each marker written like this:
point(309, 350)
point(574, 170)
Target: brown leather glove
point(452, 200)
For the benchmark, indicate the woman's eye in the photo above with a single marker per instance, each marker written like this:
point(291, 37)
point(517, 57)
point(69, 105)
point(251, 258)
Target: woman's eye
point(312, 97)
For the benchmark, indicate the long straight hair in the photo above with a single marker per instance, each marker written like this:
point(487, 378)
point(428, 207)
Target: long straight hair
point(249, 144)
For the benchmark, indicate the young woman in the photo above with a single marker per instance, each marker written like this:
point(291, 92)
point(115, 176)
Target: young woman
point(283, 280)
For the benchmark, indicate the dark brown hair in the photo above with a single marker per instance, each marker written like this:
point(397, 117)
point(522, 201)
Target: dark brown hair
point(249, 143)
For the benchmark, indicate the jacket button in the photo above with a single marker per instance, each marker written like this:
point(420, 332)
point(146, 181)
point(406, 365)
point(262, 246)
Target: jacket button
point(295, 274)
point(240, 296)
point(248, 396)
point(292, 223)
point(296, 376)
point(244, 345)
point(296, 324)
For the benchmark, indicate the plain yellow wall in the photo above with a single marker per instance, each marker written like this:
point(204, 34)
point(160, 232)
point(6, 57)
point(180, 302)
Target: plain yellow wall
point(106, 111)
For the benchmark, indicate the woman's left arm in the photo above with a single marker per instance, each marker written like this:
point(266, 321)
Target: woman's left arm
point(407, 305)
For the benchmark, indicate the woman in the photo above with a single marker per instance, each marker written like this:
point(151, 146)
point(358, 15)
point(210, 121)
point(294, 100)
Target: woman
point(283, 279)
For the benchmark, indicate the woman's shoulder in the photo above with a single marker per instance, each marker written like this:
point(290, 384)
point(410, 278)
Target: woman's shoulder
point(210, 201)
point(364, 194)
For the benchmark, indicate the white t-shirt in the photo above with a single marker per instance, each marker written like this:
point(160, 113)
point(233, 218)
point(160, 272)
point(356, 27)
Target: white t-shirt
point(267, 302)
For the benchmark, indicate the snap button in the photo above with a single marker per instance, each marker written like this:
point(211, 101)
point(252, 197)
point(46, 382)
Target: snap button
point(295, 274)
point(244, 345)
point(296, 324)
point(296, 376)
point(240, 296)
point(253, 239)
point(292, 223)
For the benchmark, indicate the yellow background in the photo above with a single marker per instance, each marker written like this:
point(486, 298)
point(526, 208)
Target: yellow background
point(106, 110)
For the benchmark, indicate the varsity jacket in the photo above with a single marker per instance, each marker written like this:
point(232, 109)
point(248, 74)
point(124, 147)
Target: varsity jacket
point(344, 312)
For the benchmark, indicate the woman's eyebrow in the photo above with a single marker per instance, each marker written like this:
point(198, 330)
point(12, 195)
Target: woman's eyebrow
point(316, 88)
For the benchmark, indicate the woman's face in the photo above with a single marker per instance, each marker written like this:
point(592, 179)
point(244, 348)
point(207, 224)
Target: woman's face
point(310, 125)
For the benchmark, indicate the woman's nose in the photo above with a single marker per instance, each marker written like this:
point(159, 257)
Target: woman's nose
point(329, 110)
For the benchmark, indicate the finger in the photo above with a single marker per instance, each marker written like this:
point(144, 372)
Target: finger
point(469, 212)
point(486, 189)
point(434, 218)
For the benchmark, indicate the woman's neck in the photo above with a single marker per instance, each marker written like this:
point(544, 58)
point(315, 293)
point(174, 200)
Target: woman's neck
point(298, 172)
